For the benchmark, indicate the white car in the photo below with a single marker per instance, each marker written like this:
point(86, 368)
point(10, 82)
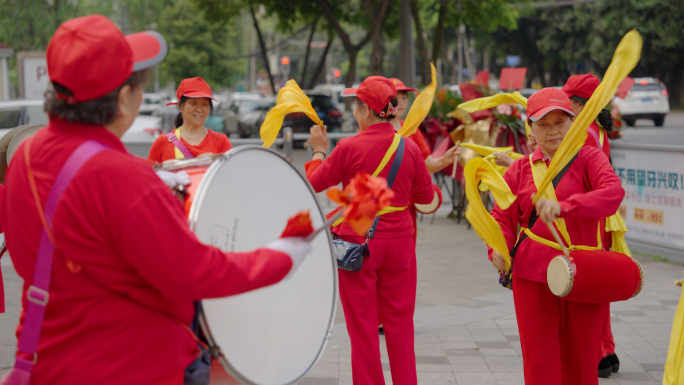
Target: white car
point(20, 112)
point(646, 100)
point(142, 133)
point(152, 102)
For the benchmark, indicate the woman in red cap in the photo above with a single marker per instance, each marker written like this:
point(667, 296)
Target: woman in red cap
point(111, 270)
point(579, 89)
point(560, 339)
point(389, 275)
point(190, 138)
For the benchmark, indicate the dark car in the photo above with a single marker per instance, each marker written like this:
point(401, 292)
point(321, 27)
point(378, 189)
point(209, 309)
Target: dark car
point(326, 110)
point(19, 112)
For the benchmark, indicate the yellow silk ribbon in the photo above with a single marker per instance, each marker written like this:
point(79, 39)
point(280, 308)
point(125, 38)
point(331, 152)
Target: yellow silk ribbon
point(177, 152)
point(477, 171)
point(491, 102)
point(624, 60)
point(538, 171)
point(674, 366)
point(421, 106)
point(617, 227)
point(388, 155)
point(291, 99)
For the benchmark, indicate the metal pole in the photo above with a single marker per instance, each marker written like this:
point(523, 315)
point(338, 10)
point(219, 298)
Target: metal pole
point(287, 146)
point(407, 57)
point(460, 54)
point(5, 80)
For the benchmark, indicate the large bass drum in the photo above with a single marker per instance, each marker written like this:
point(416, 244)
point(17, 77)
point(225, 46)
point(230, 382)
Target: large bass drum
point(274, 335)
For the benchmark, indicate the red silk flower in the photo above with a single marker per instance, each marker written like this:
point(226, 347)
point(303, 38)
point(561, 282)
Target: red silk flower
point(298, 225)
point(363, 198)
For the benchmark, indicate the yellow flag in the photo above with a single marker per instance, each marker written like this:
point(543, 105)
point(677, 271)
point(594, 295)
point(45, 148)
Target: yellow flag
point(493, 101)
point(624, 60)
point(487, 228)
point(486, 150)
point(421, 106)
point(291, 99)
point(674, 366)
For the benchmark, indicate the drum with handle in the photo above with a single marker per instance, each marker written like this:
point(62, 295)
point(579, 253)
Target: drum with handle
point(274, 335)
point(432, 206)
point(595, 276)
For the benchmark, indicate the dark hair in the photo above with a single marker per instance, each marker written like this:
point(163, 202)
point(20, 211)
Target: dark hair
point(393, 101)
point(97, 112)
point(179, 118)
point(604, 119)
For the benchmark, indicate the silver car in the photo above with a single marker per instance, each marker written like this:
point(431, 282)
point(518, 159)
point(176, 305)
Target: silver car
point(646, 100)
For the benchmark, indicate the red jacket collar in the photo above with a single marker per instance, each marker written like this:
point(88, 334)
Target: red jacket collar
point(380, 127)
point(538, 155)
point(86, 131)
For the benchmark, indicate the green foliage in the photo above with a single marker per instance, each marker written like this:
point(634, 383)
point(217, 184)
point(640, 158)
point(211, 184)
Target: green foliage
point(197, 47)
point(445, 102)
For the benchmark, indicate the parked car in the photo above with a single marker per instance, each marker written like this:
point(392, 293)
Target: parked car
point(139, 137)
point(646, 100)
point(242, 116)
point(19, 112)
point(332, 90)
point(326, 110)
point(152, 102)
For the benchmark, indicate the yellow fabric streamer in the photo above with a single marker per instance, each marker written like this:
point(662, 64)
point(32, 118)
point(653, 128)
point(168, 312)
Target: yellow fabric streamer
point(421, 106)
point(487, 228)
point(491, 102)
point(488, 154)
point(624, 60)
point(291, 99)
point(617, 227)
point(674, 366)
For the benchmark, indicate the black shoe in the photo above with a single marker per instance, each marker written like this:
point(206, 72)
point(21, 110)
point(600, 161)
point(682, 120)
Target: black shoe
point(614, 361)
point(381, 330)
point(605, 368)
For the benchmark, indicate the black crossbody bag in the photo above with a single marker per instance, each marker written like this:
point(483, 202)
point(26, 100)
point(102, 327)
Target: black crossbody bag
point(350, 256)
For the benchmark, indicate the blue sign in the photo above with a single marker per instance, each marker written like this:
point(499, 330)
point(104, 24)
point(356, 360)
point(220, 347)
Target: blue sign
point(512, 60)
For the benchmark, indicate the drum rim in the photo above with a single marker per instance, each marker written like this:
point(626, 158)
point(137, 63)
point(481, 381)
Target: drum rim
point(641, 283)
point(192, 221)
point(432, 211)
point(19, 138)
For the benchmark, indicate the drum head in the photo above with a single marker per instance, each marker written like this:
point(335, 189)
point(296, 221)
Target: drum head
point(559, 276)
point(21, 136)
point(274, 335)
point(432, 206)
point(6, 145)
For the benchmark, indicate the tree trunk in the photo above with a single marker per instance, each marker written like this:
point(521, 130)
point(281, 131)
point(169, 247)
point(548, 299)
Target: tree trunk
point(264, 53)
point(351, 74)
point(438, 39)
point(308, 51)
point(378, 53)
point(424, 69)
point(56, 7)
point(321, 62)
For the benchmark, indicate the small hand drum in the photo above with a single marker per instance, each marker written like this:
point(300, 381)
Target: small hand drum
point(595, 276)
point(432, 206)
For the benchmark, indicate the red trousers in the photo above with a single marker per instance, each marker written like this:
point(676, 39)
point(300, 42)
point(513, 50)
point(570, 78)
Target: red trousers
point(561, 340)
point(388, 281)
point(608, 342)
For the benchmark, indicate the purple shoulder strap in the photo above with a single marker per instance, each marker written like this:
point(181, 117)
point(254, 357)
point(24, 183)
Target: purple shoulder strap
point(179, 145)
point(38, 293)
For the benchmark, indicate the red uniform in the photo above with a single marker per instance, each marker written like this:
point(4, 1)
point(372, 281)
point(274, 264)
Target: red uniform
point(390, 273)
point(214, 143)
point(425, 152)
point(2, 288)
point(116, 311)
point(560, 339)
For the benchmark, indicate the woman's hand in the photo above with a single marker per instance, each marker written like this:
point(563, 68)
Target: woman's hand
point(319, 138)
point(450, 156)
point(498, 261)
point(502, 159)
point(548, 210)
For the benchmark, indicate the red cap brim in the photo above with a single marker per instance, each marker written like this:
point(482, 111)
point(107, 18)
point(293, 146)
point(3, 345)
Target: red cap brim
point(197, 95)
point(149, 49)
point(540, 114)
point(407, 89)
point(348, 92)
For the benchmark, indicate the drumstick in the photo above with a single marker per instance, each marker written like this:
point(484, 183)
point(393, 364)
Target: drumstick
point(558, 239)
point(455, 165)
point(327, 224)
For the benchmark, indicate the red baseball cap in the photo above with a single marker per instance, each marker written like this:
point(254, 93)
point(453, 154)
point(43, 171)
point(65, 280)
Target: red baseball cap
point(194, 88)
point(546, 100)
point(581, 85)
point(91, 57)
point(400, 86)
point(376, 92)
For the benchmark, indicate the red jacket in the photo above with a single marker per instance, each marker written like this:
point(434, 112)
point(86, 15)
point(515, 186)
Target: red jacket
point(118, 320)
point(363, 152)
point(2, 288)
point(589, 190)
point(214, 143)
point(591, 139)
